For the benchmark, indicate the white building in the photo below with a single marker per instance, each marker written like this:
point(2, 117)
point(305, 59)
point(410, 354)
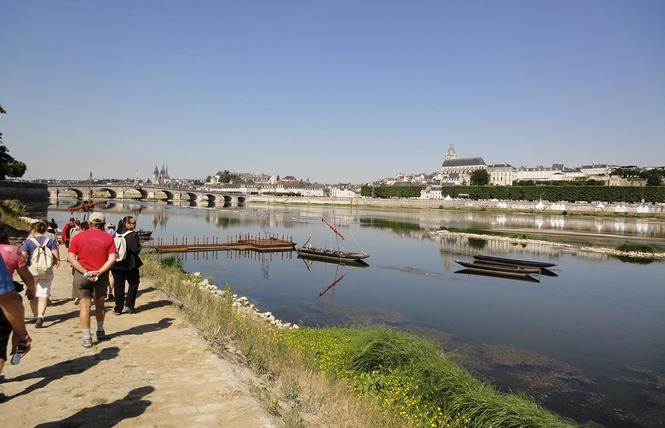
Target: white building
point(502, 174)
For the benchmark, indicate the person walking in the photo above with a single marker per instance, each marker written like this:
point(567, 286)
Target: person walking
point(74, 230)
point(43, 280)
point(91, 255)
point(12, 309)
point(53, 226)
point(67, 231)
point(80, 226)
point(127, 270)
point(50, 232)
point(14, 262)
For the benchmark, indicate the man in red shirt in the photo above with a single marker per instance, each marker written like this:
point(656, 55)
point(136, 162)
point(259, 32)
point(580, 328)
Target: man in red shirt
point(91, 255)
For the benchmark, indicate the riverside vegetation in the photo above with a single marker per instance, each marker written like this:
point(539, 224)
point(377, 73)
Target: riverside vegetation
point(353, 376)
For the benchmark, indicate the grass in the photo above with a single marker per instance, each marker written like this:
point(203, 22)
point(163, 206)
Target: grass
point(639, 248)
point(412, 380)
point(11, 210)
point(353, 376)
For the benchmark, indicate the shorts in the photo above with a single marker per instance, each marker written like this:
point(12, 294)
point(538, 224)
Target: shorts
point(5, 332)
point(82, 288)
point(43, 285)
point(6, 285)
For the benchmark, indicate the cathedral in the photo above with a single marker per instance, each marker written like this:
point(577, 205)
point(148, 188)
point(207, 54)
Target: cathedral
point(160, 178)
point(456, 171)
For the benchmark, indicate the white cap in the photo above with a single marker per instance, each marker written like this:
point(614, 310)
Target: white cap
point(97, 217)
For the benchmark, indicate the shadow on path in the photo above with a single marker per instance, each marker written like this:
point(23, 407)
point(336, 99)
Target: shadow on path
point(141, 329)
point(154, 305)
point(108, 415)
point(62, 369)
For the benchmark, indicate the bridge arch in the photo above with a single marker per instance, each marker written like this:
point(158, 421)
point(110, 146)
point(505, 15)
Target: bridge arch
point(83, 191)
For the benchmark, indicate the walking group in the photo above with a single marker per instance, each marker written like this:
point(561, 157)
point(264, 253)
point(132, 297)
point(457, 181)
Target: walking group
point(105, 264)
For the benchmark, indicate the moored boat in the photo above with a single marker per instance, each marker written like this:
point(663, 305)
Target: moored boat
point(327, 254)
point(518, 262)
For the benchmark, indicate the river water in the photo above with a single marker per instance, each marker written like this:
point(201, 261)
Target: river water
point(587, 343)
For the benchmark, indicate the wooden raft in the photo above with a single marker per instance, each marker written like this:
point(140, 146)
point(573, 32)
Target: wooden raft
point(239, 243)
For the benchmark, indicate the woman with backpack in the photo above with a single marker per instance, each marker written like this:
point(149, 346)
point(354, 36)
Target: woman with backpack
point(127, 266)
point(41, 253)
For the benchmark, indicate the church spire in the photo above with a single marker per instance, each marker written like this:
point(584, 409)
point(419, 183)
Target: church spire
point(451, 153)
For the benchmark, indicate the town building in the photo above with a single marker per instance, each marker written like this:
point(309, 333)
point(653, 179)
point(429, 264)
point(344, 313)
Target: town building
point(502, 174)
point(457, 171)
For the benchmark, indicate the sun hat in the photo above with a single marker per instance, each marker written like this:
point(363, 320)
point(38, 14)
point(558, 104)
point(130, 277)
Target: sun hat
point(97, 218)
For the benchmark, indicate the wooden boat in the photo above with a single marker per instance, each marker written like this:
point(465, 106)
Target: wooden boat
point(499, 267)
point(327, 254)
point(518, 262)
point(499, 274)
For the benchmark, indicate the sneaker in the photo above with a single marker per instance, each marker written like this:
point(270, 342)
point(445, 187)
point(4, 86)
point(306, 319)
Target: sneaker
point(117, 313)
point(101, 334)
point(38, 322)
point(110, 297)
point(87, 343)
point(76, 301)
point(130, 311)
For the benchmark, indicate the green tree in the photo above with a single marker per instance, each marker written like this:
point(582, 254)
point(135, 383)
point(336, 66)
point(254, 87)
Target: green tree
point(480, 178)
point(653, 177)
point(9, 167)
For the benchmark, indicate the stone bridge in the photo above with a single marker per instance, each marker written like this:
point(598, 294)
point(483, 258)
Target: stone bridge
point(129, 191)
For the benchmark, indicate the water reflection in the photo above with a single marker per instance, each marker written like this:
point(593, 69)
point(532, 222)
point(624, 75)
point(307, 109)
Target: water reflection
point(284, 216)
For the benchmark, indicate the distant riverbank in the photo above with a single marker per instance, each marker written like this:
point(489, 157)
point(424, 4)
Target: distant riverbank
point(569, 247)
point(584, 208)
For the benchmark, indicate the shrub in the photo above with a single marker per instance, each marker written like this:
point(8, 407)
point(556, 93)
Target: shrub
point(639, 248)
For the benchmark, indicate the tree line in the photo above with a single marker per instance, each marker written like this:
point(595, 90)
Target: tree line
point(610, 194)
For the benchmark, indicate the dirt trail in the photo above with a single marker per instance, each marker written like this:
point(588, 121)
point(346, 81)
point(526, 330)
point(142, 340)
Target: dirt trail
point(152, 369)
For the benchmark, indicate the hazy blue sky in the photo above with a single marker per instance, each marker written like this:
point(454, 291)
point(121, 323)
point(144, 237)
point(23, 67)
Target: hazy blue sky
point(330, 91)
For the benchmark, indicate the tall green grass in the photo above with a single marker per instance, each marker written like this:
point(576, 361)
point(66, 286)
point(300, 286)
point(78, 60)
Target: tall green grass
point(413, 379)
point(354, 376)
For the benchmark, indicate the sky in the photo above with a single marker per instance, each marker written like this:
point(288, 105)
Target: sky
point(330, 91)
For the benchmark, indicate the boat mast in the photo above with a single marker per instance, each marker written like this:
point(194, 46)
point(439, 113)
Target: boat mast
point(333, 228)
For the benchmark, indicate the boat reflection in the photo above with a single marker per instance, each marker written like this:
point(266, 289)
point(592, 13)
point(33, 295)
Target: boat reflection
point(355, 263)
point(331, 286)
point(498, 274)
point(339, 267)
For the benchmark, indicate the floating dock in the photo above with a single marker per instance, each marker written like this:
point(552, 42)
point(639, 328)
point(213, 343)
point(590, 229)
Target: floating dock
point(267, 244)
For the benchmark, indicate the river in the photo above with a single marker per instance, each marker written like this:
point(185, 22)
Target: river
point(587, 343)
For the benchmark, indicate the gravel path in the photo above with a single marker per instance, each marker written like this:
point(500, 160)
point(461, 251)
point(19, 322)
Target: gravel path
point(152, 370)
